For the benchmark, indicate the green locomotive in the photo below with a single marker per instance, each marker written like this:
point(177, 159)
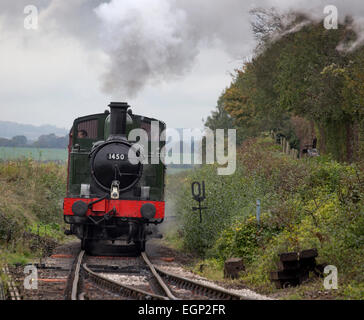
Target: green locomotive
point(113, 196)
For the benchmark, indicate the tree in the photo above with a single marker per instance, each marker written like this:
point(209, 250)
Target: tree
point(19, 141)
point(219, 119)
point(301, 73)
point(5, 142)
point(51, 141)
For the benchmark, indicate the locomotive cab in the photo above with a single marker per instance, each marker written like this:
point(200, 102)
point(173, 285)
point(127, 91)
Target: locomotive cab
point(112, 197)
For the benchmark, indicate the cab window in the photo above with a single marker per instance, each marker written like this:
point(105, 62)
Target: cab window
point(87, 129)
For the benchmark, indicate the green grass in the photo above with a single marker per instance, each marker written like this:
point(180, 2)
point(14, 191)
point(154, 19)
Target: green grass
point(17, 258)
point(12, 153)
point(210, 269)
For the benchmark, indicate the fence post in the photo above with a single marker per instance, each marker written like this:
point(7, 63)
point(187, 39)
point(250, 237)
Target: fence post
point(295, 153)
point(288, 148)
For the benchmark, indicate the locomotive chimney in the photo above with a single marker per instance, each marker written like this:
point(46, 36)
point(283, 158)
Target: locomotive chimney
point(118, 116)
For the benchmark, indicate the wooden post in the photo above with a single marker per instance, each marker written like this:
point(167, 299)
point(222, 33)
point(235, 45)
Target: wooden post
point(233, 267)
point(294, 268)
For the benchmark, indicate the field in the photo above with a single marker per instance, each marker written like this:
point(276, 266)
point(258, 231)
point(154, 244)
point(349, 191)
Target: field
point(176, 170)
point(11, 153)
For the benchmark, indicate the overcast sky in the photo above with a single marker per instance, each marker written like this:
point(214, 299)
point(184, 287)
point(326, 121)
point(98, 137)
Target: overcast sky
point(170, 59)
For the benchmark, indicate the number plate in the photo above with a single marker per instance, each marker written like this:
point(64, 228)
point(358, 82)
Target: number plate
point(116, 156)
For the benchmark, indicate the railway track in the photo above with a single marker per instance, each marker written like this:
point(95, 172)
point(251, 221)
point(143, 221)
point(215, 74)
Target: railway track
point(200, 289)
point(13, 290)
point(81, 272)
point(160, 285)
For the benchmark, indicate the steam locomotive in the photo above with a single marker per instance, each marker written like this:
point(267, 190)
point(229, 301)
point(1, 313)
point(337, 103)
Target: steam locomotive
point(112, 200)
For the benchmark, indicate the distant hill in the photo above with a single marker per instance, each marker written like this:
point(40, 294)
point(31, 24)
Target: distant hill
point(11, 129)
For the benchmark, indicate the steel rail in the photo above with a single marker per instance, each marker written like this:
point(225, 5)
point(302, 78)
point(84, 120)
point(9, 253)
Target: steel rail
point(13, 290)
point(206, 289)
point(158, 277)
point(119, 288)
point(75, 284)
point(158, 273)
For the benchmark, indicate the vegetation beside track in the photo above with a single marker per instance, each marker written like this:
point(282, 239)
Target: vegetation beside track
point(31, 221)
point(305, 203)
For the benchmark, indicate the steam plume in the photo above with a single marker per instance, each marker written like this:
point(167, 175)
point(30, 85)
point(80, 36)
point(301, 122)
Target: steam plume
point(151, 41)
point(146, 40)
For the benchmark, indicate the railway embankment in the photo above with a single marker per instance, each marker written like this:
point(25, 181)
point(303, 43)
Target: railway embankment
point(304, 204)
point(31, 223)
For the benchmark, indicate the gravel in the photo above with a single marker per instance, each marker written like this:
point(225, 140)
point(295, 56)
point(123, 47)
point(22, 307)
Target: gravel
point(179, 270)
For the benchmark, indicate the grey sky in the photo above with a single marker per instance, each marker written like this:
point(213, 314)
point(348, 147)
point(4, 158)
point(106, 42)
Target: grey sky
point(169, 59)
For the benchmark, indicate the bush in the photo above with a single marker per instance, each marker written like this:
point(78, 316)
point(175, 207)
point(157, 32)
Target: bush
point(243, 239)
point(305, 203)
point(31, 195)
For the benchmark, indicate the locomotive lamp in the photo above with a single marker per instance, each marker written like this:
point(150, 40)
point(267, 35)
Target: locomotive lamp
point(85, 190)
point(145, 193)
point(115, 190)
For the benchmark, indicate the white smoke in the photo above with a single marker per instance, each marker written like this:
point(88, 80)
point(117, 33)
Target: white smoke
point(151, 41)
point(357, 25)
point(315, 11)
point(147, 40)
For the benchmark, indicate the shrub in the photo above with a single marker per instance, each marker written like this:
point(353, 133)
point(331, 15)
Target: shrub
point(305, 203)
point(31, 195)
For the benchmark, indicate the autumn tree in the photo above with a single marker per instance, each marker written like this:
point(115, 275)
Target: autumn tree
point(300, 69)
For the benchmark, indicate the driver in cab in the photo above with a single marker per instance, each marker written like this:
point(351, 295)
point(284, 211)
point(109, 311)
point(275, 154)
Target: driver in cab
point(82, 134)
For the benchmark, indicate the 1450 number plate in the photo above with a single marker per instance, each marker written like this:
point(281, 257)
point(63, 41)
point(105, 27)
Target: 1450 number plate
point(116, 156)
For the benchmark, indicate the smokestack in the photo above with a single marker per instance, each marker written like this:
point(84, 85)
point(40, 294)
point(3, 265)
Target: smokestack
point(118, 116)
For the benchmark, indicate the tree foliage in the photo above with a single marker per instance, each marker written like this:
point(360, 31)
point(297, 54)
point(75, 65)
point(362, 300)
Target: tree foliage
point(219, 118)
point(44, 141)
point(299, 70)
